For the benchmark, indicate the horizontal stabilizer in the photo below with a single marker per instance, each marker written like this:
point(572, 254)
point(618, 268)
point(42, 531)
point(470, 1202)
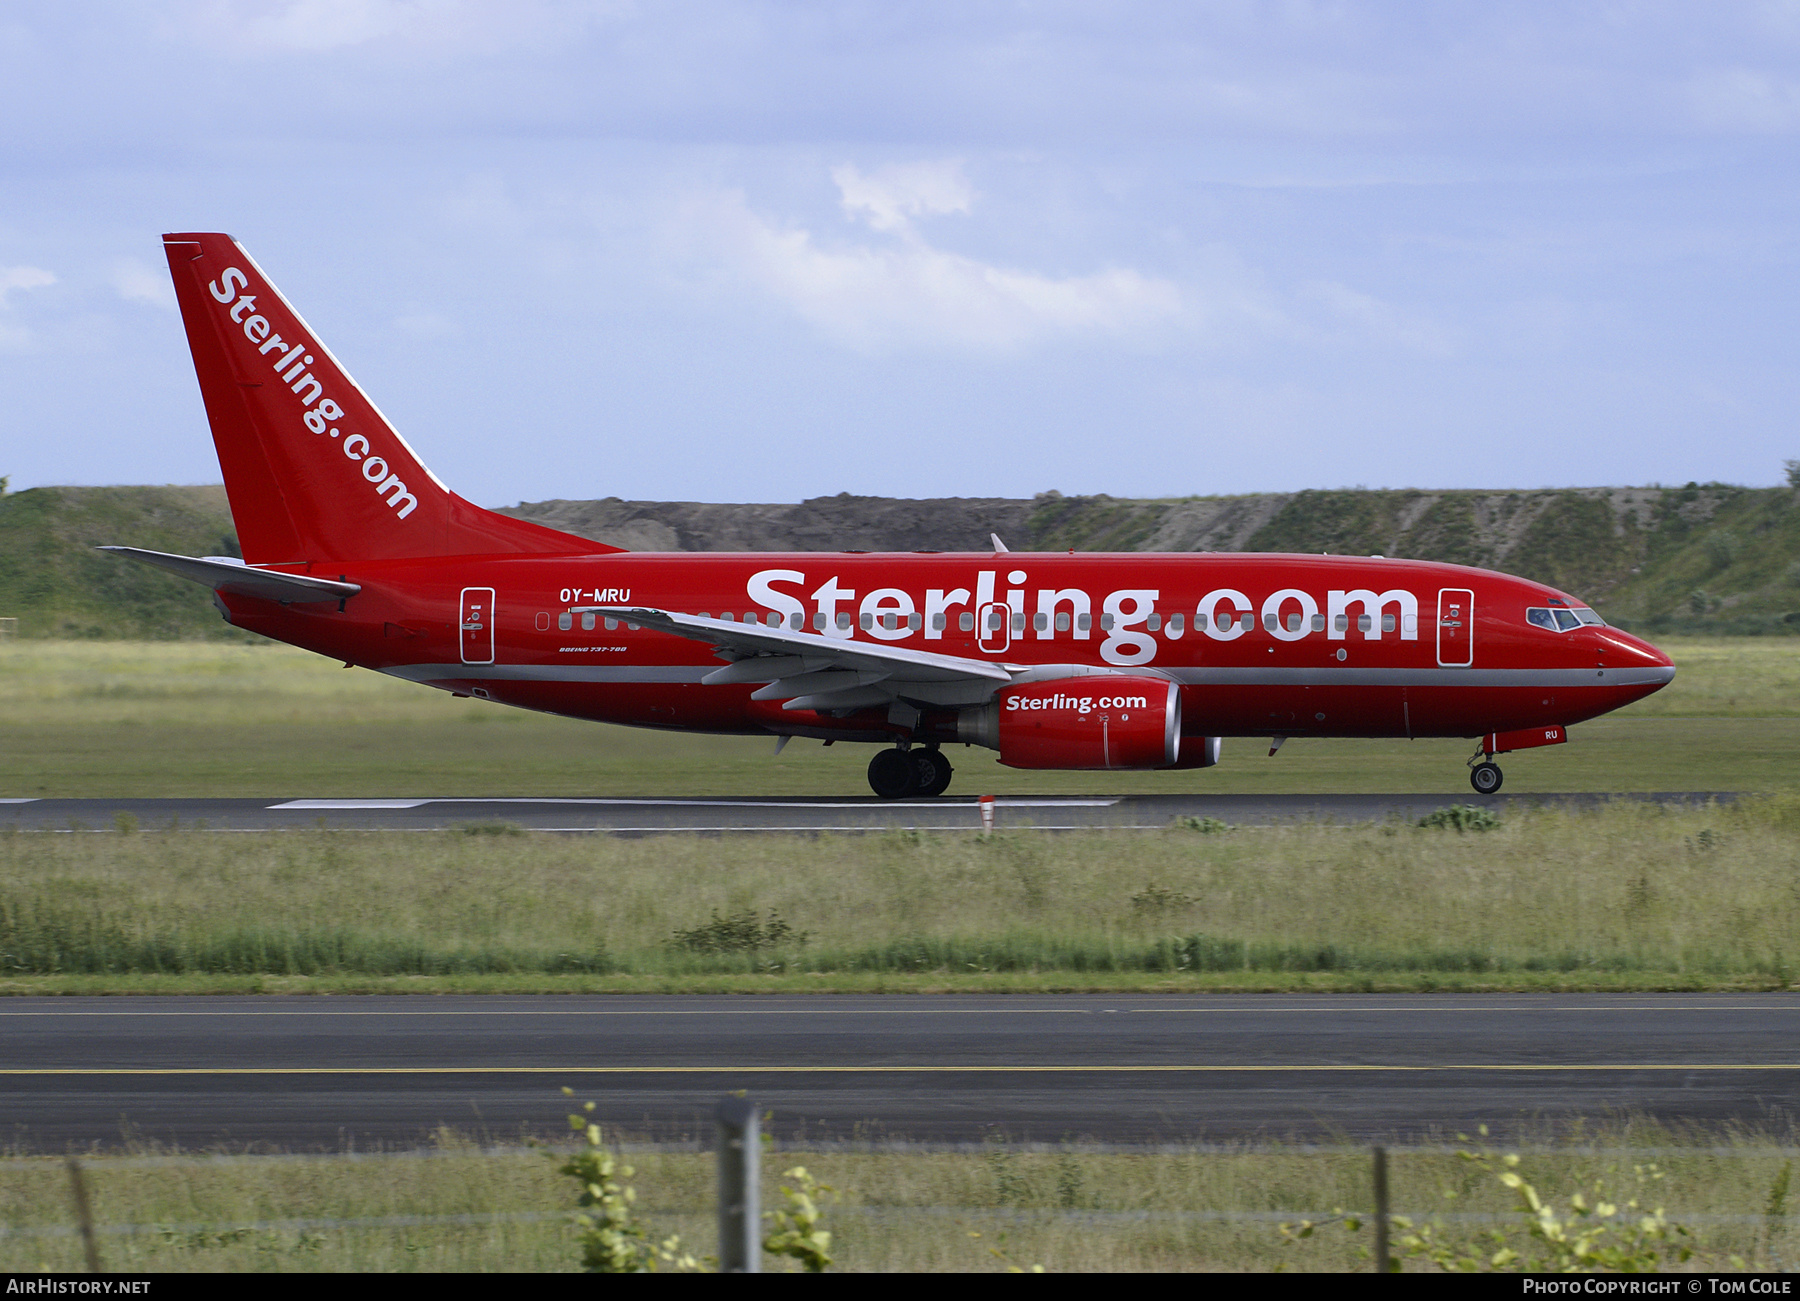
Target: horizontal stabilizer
point(223, 574)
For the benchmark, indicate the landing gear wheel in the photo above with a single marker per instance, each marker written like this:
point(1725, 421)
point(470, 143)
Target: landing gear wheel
point(1485, 778)
point(933, 770)
point(893, 774)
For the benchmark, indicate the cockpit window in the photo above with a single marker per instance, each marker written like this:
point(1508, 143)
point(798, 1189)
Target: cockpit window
point(1562, 620)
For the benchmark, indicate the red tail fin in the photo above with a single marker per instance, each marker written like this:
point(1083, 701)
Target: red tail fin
point(314, 471)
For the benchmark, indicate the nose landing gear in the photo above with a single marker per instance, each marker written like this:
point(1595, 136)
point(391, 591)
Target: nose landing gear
point(895, 774)
point(1484, 776)
point(1484, 773)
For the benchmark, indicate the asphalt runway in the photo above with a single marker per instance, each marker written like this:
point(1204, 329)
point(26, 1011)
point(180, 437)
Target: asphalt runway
point(315, 1073)
point(850, 814)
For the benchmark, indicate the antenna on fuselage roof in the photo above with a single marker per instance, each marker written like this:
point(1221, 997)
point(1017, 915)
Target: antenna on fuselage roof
point(999, 546)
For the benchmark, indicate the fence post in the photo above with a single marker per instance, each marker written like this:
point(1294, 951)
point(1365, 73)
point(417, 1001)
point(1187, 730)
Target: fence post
point(740, 1223)
point(84, 1215)
point(1381, 1210)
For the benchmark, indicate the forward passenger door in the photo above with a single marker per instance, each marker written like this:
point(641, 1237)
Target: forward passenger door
point(1456, 628)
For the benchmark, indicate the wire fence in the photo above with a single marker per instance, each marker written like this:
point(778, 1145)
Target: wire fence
point(1010, 1215)
point(737, 1198)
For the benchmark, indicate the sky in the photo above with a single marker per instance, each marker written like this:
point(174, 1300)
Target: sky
point(770, 251)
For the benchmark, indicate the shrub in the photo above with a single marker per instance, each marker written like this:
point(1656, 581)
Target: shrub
point(1462, 817)
point(613, 1239)
point(1156, 900)
point(1205, 826)
point(490, 829)
point(740, 933)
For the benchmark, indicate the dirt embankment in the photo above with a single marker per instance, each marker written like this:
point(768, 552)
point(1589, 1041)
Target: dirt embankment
point(1704, 557)
point(1701, 558)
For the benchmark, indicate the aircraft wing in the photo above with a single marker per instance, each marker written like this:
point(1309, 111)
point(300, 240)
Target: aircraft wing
point(223, 574)
point(810, 671)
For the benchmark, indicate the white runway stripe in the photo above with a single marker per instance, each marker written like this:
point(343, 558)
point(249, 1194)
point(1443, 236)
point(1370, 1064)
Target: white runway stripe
point(1003, 802)
point(350, 804)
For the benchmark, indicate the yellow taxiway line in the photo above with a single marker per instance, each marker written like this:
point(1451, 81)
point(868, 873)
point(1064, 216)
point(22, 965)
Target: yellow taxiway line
point(1148, 1069)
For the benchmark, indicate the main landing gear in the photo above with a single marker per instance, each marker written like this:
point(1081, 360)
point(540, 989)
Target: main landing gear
point(895, 774)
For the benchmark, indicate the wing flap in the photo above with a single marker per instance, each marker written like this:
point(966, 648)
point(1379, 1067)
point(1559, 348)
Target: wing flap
point(823, 682)
point(812, 671)
point(835, 652)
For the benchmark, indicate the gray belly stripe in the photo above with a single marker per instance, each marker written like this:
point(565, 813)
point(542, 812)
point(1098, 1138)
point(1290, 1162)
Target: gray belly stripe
point(1421, 677)
point(549, 672)
point(1207, 677)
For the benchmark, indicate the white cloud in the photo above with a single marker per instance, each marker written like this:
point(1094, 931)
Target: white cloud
point(1745, 99)
point(904, 292)
point(1359, 318)
point(16, 338)
point(892, 195)
point(478, 27)
point(137, 283)
point(311, 26)
point(12, 278)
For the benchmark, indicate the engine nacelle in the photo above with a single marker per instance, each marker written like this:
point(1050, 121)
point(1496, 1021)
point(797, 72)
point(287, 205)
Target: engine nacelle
point(1198, 752)
point(1101, 721)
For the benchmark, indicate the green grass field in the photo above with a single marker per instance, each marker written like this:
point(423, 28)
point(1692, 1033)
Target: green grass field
point(1624, 896)
point(174, 718)
point(454, 1207)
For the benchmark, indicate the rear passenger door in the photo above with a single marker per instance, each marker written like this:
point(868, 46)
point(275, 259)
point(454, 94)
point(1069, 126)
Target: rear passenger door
point(477, 624)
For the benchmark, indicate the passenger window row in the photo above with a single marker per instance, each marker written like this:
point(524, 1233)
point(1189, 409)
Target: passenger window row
point(1559, 620)
point(566, 620)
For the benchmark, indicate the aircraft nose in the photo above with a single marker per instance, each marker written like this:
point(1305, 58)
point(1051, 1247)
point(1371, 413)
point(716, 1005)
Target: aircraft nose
point(1626, 651)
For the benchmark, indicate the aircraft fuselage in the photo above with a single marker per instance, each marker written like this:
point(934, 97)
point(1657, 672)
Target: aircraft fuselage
point(1287, 645)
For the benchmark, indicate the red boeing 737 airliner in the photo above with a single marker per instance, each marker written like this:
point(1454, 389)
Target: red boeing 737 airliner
point(353, 549)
